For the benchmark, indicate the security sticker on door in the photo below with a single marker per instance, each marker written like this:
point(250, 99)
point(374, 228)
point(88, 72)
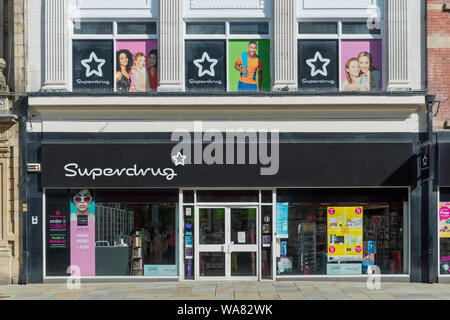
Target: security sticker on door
point(241, 237)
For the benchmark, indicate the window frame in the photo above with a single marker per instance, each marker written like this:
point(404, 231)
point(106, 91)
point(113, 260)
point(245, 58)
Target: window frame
point(339, 36)
point(227, 36)
point(114, 36)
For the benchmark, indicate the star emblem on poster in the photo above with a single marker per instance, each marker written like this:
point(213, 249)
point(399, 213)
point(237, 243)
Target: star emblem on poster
point(179, 159)
point(201, 71)
point(312, 64)
point(87, 64)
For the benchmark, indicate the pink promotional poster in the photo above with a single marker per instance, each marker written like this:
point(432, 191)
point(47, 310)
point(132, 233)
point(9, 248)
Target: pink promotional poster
point(136, 65)
point(82, 233)
point(361, 65)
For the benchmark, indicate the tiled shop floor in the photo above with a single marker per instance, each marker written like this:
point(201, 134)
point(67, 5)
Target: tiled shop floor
point(186, 290)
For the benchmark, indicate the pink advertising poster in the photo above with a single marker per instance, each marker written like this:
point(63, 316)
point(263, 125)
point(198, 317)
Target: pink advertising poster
point(82, 233)
point(136, 65)
point(361, 65)
point(444, 219)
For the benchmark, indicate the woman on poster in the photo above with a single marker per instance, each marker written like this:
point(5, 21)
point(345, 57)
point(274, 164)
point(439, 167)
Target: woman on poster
point(353, 77)
point(139, 72)
point(82, 234)
point(82, 201)
point(124, 78)
point(250, 66)
point(153, 69)
point(369, 74)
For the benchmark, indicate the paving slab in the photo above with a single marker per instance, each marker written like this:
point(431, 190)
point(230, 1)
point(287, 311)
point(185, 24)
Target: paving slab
point(268, 296)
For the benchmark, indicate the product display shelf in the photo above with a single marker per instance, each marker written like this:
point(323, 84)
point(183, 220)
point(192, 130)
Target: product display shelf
point(306, 235)
point(136, 268)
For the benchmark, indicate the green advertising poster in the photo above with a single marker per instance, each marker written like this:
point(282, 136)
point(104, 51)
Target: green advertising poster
point(238, 52)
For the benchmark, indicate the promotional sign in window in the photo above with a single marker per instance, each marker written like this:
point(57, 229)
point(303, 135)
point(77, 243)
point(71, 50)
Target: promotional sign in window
point(82, 233)
point(58, 237)
point(345, 233)
point(205, 65)
point(136, 65)
point(444, 219)
point(361, 65)
point(92, 65)
point(318, 65)
point(57, 230)
point(249, 65)
point(282, 220)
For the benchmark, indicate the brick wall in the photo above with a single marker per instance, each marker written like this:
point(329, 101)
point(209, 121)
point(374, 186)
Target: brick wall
point(438, 57)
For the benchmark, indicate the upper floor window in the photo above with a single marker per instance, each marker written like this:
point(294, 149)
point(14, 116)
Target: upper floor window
point(339, 55)
point(115, 56)
point(227, 56)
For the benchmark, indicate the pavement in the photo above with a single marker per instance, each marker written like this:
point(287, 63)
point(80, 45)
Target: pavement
point(187, 290)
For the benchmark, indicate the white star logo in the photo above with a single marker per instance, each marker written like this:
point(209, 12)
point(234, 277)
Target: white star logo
point(179, 159)
point(211, 70)
point(89, 72)
point(323, 71)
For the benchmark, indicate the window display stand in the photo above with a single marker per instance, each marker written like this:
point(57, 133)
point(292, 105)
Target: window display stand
point(306, 234)
point(137, 268)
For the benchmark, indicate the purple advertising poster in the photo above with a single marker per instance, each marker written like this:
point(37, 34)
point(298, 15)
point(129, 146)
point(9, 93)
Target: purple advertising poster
point(361, 65)
point(136, 65)
point(82, 233)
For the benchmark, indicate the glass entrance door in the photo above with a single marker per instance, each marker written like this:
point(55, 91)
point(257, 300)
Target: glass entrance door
point(227, 243)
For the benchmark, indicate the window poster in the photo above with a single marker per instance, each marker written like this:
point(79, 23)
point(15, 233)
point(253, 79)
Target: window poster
point(282, 220)
point(345, 233)
point(57, 230)
point(444, 219)
point(318, 65)
point(82, 233)
point(92, 65)
point(205, 65)
point(361, 65)
point(58, 237)
point(136, 65)
point(249, 65)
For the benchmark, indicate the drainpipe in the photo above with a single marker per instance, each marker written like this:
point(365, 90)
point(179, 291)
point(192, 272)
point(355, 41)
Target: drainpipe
point(25, 218)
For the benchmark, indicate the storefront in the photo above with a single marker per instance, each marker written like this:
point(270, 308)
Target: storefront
point(443, 208)
point(154, 210)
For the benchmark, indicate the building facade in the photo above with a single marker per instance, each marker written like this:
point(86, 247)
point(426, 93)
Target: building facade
point(438, 31)
point(12, 86)
point(200, 140)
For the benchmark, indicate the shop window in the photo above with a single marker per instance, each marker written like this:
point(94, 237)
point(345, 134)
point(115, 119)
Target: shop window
point(218, 53)
point(317, 27)
point(228, 196)
point(102, 238)
point(358, 28)
point(133, 67)
point(189, 245)
point(332, 237)
point(93, 28)
point(444, 231)
point(266, 196)
point(205, 28)
point(188, 196)
point(339, 56)
point(136, 28)
point(249, 28)
point(266, 242)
